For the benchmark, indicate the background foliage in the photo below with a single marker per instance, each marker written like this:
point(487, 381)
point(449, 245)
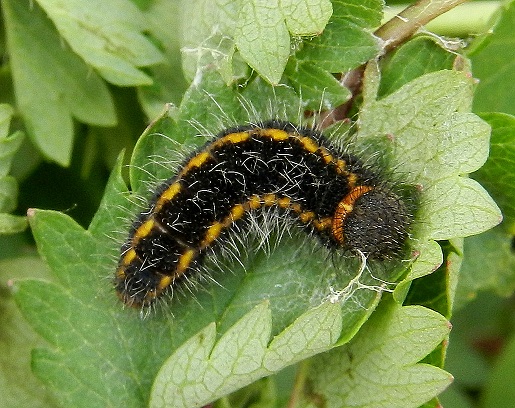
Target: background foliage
point(80, 81)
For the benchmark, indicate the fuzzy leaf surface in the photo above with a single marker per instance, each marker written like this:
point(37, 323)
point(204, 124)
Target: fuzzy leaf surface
point(379, 367)
point(453, 142)
point(242, 355)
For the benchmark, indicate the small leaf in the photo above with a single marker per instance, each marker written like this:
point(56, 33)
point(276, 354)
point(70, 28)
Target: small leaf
point(421, 55)
point(107, 35)
point(259, 29)
point(379, 367)
point(262, 38)
point(263, 31)
point(473, 210)
point(306, 17)
point(336, 53)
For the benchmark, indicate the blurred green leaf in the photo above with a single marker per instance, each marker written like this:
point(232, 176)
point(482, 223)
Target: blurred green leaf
point(107, 36)
point(163, 18)
point(18, 387)
point(498, 173)
point(52, 84)
point(494, 65)
point(9, 145)
point(489, 264)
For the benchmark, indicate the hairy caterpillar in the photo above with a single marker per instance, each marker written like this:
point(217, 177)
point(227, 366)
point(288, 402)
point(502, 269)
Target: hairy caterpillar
point(273, 164)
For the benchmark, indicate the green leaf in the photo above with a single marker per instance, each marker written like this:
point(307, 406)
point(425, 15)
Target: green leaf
point(309, 79)
point(112, 357)
point(259, 29)
point(107, 35)
point(52, 84)
point(419, 56)
point(336, 53)
point(18, 387)
point(262, 32)
point(168, 81)
point(494, 63)
point(379, 367)
point(9, 145)
point(437, 291)
point(493, 248)
point(473, 212)
point(453, 142)
point(242, 355)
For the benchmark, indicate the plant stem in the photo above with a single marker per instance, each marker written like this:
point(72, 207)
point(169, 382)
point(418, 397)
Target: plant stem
point(396, 31)
point(462, 21)
point(402, 26)
point(299, 385)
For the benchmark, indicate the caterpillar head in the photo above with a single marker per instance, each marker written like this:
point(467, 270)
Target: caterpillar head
point(372, 220)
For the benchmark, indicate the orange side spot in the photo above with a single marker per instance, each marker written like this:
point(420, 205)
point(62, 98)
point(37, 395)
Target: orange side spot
point(277, 135)
point(254, 202)
point(344, 208)
point(341, 166)
point(284, 202)
point(120, 274)
point(296, 208)
point(237, 212)
point(323, 224)
point(326, 156)
point(129, 256)
point(212, 233)
point(185, 261)
point(164, 282)
point(309, 144)
point(352, 179)
point(269, 199)
point(143, 230)
point(306, 216)
point(168, 195)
